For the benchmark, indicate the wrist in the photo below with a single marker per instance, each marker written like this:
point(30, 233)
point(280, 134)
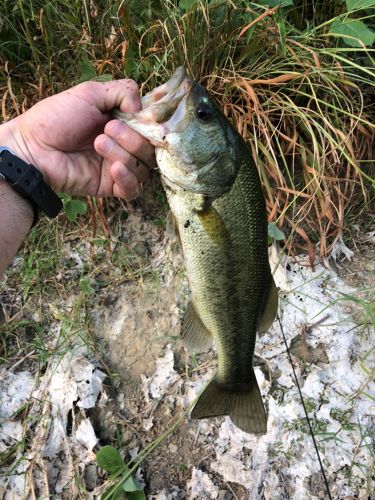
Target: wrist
point(27, 181)
point(10, 200)
point(12, 138)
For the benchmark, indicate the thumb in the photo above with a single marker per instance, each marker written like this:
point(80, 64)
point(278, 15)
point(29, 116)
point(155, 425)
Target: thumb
point(122, 94)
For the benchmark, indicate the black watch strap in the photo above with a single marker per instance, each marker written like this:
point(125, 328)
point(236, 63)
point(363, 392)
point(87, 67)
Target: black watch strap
point(29, 183)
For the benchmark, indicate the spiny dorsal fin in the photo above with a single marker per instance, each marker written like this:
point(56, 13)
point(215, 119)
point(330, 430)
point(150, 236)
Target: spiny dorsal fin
point(270, 311)
point(195, 335)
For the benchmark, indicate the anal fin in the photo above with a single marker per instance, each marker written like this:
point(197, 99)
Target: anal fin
point(195, 335)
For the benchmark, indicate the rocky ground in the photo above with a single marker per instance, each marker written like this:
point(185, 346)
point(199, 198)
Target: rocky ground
point(120, 376)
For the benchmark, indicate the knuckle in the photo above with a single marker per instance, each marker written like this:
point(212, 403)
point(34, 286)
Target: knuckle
point(131, 85)
point(88, 87)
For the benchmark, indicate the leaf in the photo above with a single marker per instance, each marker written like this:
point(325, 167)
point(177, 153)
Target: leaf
point(105, 77)
point(274, 232)
point(130, 484)
point(112, 494)
point(359, 4)
point(87, 70)
point(136, 495)
point(282, 32)
point(186, 5)
point(276, 3)
point(85, 286)
point(73, 208)
point(131, 68)
point(109, 459)
point(355, 29)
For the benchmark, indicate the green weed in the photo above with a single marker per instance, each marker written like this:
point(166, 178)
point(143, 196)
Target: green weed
point(285, 75)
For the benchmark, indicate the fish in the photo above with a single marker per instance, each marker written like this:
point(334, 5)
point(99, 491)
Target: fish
point(215, 195)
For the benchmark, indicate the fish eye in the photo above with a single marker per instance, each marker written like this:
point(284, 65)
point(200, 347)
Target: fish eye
point(204, 113)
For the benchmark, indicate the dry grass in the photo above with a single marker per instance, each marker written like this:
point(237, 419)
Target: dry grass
point(295, 101)
point(300, 100)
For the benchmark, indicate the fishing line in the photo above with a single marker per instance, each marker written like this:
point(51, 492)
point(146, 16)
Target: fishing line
point(304, 409)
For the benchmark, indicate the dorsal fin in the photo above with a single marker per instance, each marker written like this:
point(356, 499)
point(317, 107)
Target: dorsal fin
point(270, 310)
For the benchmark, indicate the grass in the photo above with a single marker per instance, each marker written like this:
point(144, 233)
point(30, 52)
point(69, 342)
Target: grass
point(299, 107)
point(302, 100)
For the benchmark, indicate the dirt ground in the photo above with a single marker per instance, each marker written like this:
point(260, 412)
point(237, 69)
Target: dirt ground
point(133, 380)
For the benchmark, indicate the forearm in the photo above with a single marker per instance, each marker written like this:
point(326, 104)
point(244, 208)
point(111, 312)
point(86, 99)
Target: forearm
point(16, 218)
point(16, 213)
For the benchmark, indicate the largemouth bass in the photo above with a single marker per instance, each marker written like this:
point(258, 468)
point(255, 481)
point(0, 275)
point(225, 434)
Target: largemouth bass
point(215, 195)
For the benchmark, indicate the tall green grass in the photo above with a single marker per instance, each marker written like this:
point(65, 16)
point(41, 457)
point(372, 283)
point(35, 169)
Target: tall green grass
point(298, 93)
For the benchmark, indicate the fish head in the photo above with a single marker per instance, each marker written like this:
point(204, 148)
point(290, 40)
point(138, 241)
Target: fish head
point(197, 149)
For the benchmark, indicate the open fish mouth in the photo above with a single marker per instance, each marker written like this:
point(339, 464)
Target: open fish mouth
point(165, 98)
point(163, 109)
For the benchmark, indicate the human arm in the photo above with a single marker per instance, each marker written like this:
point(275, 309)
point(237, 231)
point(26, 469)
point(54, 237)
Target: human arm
point(72, 140)
point(16, 217)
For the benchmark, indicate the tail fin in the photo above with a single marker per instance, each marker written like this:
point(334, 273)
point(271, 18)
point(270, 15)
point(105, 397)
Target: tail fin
point(246, 409)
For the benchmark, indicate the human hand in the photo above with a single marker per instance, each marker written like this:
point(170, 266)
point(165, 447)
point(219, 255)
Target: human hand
point(63, 137)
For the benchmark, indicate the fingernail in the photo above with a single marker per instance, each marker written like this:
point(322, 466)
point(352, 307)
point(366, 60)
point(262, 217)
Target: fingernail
point(106, 146)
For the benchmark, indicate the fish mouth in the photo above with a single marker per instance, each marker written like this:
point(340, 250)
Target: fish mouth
point(163, 110)
point(163, 100)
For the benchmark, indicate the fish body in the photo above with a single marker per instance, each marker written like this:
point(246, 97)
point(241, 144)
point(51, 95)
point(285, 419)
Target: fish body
point(215, 195)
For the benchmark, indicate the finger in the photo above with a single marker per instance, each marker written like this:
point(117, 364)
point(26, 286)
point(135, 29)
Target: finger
point(123, 94)
point(126, 184)
point(112, 152)
point(131, 141)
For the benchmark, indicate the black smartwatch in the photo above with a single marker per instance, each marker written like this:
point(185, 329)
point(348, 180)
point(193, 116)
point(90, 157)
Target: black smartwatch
point(30, 184)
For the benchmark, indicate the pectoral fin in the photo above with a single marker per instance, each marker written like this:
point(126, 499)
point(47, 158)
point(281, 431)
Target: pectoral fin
point(195, 335)
point(171, 229)
point(214, 225)
point(270, 311)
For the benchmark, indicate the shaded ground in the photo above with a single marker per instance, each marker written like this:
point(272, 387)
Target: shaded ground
point(100, 363)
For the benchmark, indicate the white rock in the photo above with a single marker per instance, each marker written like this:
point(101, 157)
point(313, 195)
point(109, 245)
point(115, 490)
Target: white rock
point(201, 486)
point(85, 434)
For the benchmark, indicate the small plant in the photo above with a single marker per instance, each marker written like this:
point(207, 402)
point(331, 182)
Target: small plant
point(274, 233)
point(353, 31)
point(109, 459)
point(73, 207)
point(88, 72)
